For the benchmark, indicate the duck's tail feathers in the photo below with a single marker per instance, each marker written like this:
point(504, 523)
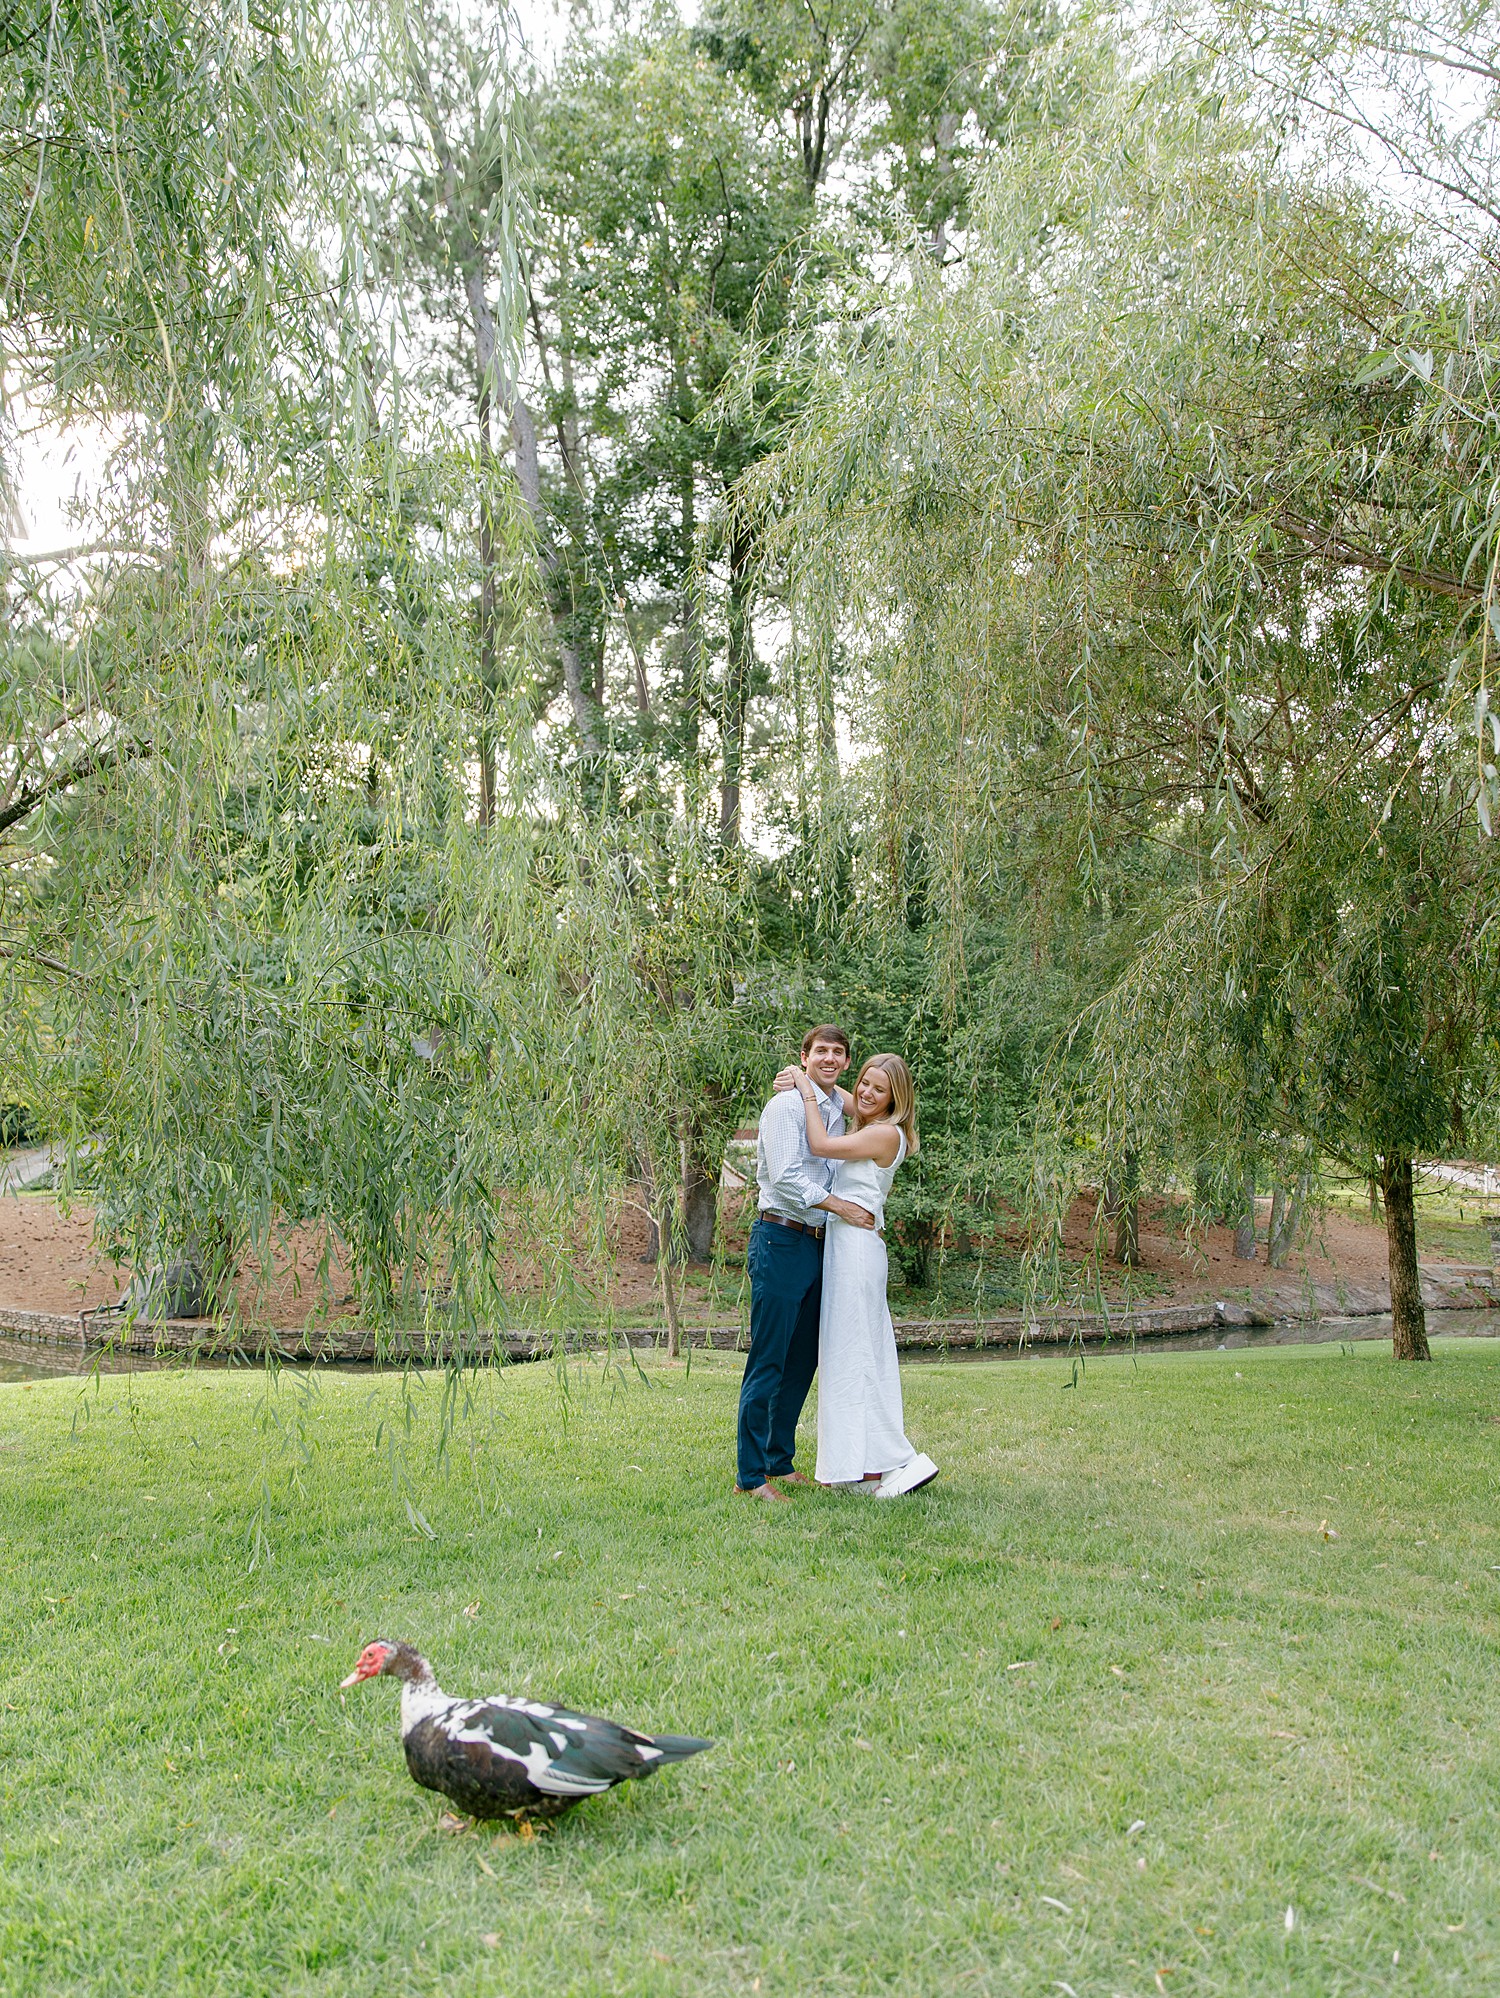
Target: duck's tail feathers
point(678, 1747)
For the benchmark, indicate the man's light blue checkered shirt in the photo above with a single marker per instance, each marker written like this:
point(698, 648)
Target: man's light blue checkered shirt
point(791, 1180)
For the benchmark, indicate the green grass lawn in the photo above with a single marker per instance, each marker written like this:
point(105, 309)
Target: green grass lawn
point(1090, 1715)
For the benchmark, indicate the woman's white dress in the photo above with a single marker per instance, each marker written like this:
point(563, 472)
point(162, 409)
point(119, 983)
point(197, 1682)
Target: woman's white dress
point(859, 1386)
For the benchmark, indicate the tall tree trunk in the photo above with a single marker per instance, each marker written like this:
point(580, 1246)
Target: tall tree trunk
point(489, 670)
point(737, 682)
point(690, 704)
point(1276, 1228)
point(665, 1260)
point(470, 261)
point(1409, 1328)
point(648, 1192)
point(529, 479)
point(1287, 1204)
point(945, 137)
point(1122, 1206)
point(1244, 1228)
point(701, 1164)
point(700, 1206)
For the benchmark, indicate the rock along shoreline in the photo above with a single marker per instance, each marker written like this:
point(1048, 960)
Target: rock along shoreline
point(1452, 1288)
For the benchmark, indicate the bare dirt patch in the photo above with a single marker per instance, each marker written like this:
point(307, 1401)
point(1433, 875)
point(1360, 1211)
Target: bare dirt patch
point(1341, 1248)
point(49, 1262)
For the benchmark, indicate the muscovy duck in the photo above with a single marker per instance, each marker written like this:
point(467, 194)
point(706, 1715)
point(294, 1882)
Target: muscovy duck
point(504, 1757)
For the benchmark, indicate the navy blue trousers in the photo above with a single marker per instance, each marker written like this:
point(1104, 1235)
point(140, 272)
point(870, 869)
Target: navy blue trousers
point(786, 1296)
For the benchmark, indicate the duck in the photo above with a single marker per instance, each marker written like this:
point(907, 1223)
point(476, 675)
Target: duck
point(505, 1757)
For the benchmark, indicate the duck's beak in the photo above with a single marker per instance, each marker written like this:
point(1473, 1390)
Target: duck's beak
point(369, 1662)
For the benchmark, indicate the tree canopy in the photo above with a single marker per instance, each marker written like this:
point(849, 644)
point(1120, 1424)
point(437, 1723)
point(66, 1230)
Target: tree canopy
point(1167, 533)
point(993, 505)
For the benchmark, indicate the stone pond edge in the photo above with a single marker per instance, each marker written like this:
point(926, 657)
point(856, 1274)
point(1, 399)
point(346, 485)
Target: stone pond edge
point(107, 1332)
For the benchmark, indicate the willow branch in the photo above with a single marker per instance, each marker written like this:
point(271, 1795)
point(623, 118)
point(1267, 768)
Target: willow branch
point(64, 779)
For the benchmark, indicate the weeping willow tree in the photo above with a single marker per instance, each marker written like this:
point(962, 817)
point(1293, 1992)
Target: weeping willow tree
point(1165, 535)
point(301, 921)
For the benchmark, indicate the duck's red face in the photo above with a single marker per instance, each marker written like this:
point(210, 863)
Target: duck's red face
point(372, 1660)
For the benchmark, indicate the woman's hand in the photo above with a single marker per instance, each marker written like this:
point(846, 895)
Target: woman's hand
point(793, 1077)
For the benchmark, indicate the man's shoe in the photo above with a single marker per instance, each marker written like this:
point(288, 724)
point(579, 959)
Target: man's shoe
point(767, 1492)
point(907, 1478)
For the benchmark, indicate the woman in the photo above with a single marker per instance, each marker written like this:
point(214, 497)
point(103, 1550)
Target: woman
point(861, 1440)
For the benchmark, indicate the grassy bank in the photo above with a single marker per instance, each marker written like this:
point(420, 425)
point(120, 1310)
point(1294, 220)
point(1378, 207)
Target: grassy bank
point(1162, 1655)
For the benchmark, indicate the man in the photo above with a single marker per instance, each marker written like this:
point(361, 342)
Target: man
point(786, 1268)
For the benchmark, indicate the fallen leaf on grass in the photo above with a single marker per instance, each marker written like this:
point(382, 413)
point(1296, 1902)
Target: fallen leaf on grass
point(491, 1940)
point(1051, 1901)
point(525, 1829)
point(1138, 1825)
point(1020, 1665)
point(471, 1609)
point(867, 1746)
point(449, 1822)
point(485, 1867)
point(1290, 1920)
point(1118, 1670)
point(1328, 1532)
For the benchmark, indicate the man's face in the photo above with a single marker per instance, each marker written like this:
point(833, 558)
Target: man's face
point(825, 1062)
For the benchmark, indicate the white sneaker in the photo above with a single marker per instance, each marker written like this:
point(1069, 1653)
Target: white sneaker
point(907, 1477)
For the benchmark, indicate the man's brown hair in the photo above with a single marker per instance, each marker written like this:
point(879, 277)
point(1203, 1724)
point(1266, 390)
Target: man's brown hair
point(826, 1033)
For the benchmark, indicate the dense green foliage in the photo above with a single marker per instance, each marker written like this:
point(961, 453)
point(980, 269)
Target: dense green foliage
point(1167, 533)
point(979, 1041)
point(985, 511)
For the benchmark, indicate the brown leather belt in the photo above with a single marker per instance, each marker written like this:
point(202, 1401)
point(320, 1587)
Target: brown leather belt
point(797, 1227)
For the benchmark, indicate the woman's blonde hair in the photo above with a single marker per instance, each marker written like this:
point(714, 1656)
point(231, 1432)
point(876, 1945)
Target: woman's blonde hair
point(903, 1110)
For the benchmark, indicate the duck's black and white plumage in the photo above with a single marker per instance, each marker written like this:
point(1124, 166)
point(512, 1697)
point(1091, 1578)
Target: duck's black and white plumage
point(502, 1757)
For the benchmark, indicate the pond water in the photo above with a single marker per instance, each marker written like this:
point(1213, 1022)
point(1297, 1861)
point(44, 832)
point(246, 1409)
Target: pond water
point(20, 1361)
point(1230, 1339)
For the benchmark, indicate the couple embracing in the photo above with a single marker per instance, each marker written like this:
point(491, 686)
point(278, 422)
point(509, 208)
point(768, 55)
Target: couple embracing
point(824, 1164)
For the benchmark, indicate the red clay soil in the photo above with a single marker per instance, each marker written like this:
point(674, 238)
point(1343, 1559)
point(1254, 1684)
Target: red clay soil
point(48, 1262)
point(1342, 1248)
